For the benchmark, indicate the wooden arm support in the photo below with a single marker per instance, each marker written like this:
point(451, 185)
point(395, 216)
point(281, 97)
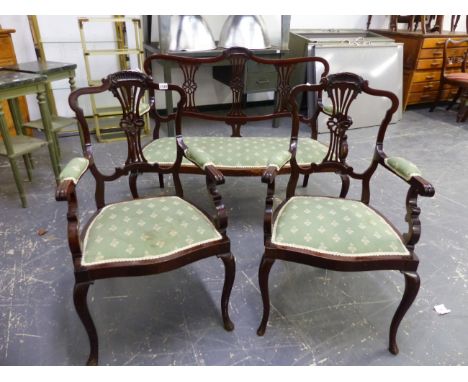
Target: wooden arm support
point(418, 187)
point(66, 191)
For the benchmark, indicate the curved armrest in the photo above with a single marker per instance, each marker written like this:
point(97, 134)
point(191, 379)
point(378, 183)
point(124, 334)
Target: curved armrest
point(409, 172)
point(402, 167)
point(202, 160)
point(275, 164)
point(198, 156)
point(70, 175)
point(214, 177)
point(279, 159)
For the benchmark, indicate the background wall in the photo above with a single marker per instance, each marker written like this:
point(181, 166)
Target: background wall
point(60, 35)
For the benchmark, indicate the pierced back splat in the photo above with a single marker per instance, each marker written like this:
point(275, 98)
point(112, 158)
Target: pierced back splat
point(189, 84)
point(129, 88)
point(283, 86)
point(342, 89)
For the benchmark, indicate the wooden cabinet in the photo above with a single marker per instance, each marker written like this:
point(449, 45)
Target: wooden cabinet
point(8, 57)
point(422, 60)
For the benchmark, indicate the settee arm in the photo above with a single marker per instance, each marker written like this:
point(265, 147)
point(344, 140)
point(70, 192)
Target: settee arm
point(202, 160)
point(214, 177)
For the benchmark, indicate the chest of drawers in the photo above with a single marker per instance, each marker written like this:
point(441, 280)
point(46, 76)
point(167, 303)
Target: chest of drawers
point(422, 63)
point(8, 57)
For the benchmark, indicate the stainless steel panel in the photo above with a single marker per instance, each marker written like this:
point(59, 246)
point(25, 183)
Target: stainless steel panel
point(190, 33)
point(248, 31)
point(341, 36)
point(381, 65)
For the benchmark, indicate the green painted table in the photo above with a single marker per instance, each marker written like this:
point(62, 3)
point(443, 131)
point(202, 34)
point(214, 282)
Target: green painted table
point(54, 71)
point(12, 86)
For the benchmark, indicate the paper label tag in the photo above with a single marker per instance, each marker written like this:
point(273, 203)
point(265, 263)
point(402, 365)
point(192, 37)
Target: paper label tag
point(163, 86)
point(441, 309)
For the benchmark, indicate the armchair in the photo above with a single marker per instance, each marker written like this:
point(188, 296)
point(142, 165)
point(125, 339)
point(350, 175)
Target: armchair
point(335, 232)
point(143, 236)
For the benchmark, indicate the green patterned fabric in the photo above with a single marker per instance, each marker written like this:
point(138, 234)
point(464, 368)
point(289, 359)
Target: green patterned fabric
point(279, 159)
point(74, 169)
point(232, 153)
point(145, 229)
point(198, 156)
point(403, 167)
point(335, 226)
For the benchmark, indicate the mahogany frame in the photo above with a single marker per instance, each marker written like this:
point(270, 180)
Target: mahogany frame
point(238, 58)
point(128, 87)
point(343, 88)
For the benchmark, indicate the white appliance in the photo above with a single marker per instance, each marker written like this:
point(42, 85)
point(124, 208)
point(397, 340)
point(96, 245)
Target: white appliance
point(376, 58)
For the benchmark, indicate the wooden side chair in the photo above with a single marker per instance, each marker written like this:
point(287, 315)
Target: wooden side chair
point(413, 21)
point(335, 232)
point(454, 72)
point(143, 236)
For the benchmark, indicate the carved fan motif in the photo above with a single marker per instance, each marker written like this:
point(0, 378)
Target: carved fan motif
point(189, 85)
point(237, 84)
point(342, 89)
point(129, 88)
point(283, 86)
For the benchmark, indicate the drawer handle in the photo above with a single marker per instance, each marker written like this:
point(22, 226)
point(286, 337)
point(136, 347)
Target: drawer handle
point(430, 77)
point(440, 42)
point(433, 64)
point(262, 82)
point(437, 54)
point(425, 96)
point(428, 87)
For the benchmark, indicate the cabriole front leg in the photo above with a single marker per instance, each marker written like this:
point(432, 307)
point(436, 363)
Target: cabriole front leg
point(412, 283)
point(80, 293)
point(230, 272)
point(263, 273)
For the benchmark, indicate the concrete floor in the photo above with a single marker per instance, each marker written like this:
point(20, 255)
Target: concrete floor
point(318, 317)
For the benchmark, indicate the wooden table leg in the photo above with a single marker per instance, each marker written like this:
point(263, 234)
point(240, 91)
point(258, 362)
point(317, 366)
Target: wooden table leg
point(47, 123)
point(18, 122)
point(11, 158)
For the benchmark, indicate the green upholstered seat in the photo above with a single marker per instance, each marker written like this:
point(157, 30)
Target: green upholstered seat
point(233, 153)
point(145, 229)
point(335, 226)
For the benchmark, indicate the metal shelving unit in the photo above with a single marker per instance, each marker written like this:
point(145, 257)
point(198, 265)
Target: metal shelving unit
point(111, 133)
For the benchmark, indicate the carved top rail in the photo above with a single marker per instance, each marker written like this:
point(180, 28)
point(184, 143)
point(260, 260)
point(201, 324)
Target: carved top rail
point(237, 58)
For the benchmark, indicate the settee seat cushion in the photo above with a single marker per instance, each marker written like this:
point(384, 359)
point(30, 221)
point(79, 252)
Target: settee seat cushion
point(145, 229)
point(236, 153)
point(335, 226)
